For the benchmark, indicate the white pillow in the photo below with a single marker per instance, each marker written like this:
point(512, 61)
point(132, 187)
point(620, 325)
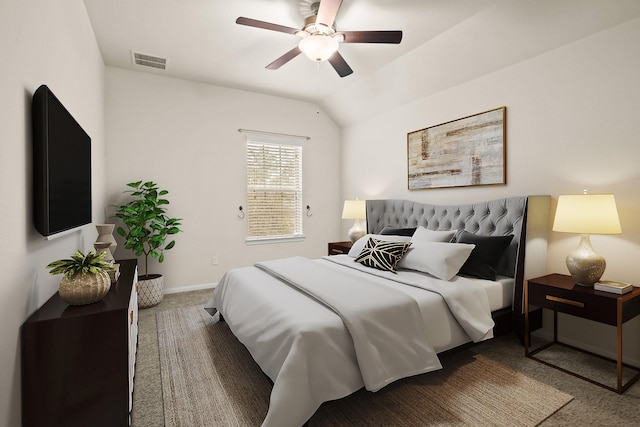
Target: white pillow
point(358, 246)
point(440, 259)
point(426, 235)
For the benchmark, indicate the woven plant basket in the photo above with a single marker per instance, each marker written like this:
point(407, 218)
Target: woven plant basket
point(82, 289)
point(150, 290)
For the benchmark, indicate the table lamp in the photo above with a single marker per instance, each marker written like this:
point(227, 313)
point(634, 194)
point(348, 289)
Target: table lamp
point(355, 209)
point(586, 214)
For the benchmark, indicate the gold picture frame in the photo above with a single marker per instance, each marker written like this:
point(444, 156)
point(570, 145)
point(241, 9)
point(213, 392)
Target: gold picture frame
point(465, 152)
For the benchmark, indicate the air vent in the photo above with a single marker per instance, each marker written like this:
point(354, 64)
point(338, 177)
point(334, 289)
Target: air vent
point(149, 61)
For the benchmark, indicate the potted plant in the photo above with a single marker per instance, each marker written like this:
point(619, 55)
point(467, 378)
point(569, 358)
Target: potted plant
point(146, 231)
point(86, 278)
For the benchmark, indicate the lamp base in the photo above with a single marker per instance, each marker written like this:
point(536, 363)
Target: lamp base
point(356, 232)
point(585, 265)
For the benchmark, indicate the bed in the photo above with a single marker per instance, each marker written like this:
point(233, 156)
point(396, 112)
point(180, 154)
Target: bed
point(322, 329)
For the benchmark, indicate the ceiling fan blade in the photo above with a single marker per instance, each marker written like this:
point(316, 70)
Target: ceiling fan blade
point(340, 65)
point(284, 59)
point(327, 12)
point(266, 25)
point(394, 37)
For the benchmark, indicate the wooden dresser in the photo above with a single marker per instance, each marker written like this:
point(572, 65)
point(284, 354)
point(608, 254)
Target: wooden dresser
point(78, 362)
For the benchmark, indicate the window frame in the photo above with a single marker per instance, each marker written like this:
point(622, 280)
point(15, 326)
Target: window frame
point(279, 141)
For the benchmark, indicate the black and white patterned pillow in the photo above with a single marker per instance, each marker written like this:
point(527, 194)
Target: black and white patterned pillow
point(382, 255)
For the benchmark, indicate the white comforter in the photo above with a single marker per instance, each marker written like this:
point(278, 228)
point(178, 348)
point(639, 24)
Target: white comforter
point(304, 346)
point(385, 325)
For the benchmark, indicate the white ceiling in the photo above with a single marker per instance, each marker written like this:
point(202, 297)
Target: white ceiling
point(202, 42)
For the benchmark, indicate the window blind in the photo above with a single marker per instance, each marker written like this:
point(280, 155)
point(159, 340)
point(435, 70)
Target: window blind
point(274, 190)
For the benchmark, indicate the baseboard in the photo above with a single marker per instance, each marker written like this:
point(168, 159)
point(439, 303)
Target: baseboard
point(190, 288)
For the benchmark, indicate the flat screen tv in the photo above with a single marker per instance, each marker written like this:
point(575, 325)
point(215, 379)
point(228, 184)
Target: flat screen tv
point(61, 167)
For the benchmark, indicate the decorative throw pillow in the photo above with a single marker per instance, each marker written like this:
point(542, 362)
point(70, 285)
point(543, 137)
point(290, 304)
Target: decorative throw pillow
point(382, 255)
point(359, 244)
point(424, 234)
point(398, 231)
point(485, 256)
point(440, 259)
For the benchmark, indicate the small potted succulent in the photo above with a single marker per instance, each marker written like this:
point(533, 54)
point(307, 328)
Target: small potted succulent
point(86, 279)
point(147, 230)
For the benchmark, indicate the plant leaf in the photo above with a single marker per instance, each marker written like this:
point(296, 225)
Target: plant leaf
point(147, 223)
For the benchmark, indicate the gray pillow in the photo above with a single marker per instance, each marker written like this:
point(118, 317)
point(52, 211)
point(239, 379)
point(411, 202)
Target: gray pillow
point(424, 234)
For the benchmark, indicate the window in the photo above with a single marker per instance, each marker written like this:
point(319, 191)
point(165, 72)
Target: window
point(274, 189)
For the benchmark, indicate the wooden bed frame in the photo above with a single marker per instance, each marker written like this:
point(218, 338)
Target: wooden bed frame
point(492, 218)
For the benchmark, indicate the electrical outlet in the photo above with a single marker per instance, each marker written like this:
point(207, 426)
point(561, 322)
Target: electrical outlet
point(214, 260)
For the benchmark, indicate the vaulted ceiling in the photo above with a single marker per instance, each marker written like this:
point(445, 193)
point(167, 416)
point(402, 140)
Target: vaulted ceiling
point(445, 43)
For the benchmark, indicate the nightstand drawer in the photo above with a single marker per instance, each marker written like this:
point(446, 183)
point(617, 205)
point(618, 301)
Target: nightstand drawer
point(339, 248)
point(580, 302)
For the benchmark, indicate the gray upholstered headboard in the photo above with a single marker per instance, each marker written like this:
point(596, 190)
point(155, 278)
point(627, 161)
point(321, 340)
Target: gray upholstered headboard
point(493, 218)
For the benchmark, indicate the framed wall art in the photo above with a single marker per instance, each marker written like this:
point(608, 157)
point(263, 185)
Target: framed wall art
point(460, 153)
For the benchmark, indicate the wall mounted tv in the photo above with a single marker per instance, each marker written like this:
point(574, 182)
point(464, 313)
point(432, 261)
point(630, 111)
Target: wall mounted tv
point(61, 167)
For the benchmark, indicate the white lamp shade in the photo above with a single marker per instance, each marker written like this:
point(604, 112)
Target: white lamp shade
point(587, 214)
point(354, 209)
point(318, 47)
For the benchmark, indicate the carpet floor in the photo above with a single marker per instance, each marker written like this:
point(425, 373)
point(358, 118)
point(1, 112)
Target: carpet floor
point(592, 405)
point(209, 378)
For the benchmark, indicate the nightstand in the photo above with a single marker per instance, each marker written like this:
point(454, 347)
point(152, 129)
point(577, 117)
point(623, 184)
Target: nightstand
point(338, 248)
point(558, 292)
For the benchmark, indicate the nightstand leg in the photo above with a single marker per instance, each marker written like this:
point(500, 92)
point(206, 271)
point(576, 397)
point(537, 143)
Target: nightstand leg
point(619, 362)
point(555, 326)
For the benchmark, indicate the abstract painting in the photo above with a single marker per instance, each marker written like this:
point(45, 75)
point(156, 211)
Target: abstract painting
point(460, 153)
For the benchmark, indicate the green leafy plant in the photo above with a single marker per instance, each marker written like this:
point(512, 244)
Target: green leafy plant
point(91, 263)
point(146, 224)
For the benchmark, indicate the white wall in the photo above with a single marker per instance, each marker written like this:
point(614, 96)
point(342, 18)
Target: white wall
point(572, 123)
point(184, 136)
point(52, 43)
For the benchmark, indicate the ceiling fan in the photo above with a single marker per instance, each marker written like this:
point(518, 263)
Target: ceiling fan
point(320, 39)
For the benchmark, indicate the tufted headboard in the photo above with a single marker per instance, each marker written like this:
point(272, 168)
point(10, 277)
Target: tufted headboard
point(493, 218)
point(527, 218)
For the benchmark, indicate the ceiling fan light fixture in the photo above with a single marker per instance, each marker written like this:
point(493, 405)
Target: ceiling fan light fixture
point(318, 47)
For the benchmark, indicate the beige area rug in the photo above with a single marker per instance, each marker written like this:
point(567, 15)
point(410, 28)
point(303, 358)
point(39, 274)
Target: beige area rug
point(209, 379)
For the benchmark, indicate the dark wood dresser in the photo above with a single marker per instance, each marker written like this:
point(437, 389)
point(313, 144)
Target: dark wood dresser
point(78, 362)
